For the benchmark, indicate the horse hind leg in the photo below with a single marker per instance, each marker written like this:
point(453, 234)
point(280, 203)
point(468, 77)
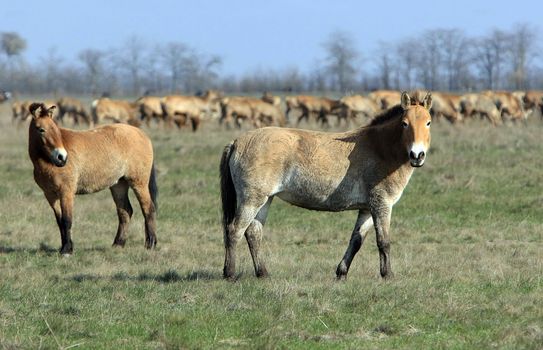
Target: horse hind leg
point(253, 235)
point(124, 210)
point(149, 212)
point(235, 230)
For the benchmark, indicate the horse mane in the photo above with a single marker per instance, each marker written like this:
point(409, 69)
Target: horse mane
point(395, 112)
point(387, 116)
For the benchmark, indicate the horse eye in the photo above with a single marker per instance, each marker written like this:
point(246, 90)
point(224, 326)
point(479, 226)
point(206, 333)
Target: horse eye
point(404, 124)
point(428, 124)
point(41, 130)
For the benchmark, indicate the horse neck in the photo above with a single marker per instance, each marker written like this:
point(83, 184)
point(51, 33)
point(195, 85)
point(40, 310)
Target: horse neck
point(386, 142)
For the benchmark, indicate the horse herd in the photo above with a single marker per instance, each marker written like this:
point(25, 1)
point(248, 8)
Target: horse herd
point(181, 110)
point(365, 169)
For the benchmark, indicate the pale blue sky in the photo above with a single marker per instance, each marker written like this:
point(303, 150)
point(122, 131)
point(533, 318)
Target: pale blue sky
point(249, 34)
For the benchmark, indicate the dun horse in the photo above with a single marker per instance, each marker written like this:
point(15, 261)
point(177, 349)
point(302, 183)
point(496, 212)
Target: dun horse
point(68, 162)
point(366, 170)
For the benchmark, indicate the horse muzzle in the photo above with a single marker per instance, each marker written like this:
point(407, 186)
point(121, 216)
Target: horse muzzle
point(59, 157)
point(417, 160)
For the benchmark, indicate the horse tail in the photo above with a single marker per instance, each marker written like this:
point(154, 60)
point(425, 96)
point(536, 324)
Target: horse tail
point(228, 191)
point(153, 188)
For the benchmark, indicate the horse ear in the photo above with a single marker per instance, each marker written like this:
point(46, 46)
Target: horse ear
point(427, 102)
point(406, 100)
point(51, 110)
point(36, 109)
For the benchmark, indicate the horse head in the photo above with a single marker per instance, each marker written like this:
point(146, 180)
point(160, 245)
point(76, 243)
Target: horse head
point(44, 129)
point(416, 122)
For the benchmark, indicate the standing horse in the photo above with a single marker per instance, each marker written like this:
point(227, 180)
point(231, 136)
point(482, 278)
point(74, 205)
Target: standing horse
point(68, 162)
point(366, 170)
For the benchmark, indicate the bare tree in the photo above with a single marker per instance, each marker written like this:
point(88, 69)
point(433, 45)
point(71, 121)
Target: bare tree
point(130, 58)
point(52, 68)
point(12, 45)
point(341, 57)
point(200, 71)
point(489, 55)
point(455, 56)
point(430, 59)
point(523, 48)
point(406, 55)
point(92, 59)
point(384, 65)
point(173, 55)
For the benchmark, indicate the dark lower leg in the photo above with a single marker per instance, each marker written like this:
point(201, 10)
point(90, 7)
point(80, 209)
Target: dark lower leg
point(352, 249)
point(254, 239)
point(65, 235)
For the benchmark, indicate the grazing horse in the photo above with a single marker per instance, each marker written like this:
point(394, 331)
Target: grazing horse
point(68, 162)
point(366, 170)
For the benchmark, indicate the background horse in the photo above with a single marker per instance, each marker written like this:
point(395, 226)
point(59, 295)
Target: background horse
point(366, 170)
point(68, 162)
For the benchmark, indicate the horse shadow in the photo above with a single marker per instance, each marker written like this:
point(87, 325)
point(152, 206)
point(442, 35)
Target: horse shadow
point(169, 276)
point(43, 248)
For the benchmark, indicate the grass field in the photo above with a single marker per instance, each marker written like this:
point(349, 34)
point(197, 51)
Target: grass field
point(467, 253)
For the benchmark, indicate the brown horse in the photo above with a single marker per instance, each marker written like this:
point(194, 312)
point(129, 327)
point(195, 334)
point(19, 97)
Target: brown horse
point(68, 162)
point(366, 170)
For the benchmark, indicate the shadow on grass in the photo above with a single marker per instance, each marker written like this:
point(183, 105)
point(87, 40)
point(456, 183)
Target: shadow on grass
point(44, 248)
point(170, 276)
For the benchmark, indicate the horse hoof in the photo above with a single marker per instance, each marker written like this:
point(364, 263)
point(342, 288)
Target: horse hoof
point(229, 276)
point(262, 274)
point(341, 277)
point(341, 271)
point(388, 276)
point(66, 255)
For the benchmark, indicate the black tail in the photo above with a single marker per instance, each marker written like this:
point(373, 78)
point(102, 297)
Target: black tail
point(153, 188)
point(228, 192)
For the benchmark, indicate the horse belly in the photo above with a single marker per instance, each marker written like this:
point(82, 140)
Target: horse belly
point(98, 180)
point(325, 197)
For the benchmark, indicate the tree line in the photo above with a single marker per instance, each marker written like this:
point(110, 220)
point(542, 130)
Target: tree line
point(437, 59)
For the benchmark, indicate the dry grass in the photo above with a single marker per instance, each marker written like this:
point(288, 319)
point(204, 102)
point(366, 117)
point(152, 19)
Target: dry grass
point(467, 256)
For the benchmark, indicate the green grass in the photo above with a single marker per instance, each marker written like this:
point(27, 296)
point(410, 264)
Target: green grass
point(467, 254)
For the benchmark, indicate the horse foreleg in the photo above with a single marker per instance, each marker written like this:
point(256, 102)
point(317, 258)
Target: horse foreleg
point(66, 206)
point(54, 202)
point(304, 115)
point(149, 213)
point(253, 235)
point(363, 223)
point(195, 122)
point(287, 117)
point(124, 210)
point(381, 221)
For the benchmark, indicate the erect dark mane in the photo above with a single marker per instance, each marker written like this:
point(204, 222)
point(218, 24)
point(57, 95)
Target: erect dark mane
point(387, 116)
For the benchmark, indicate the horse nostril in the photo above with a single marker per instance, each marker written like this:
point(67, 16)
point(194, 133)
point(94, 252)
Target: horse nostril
point(412, 155)
point(422, 155)
point(60, 157)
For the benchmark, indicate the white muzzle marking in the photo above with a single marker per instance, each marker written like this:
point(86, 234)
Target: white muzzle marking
point(59, 156)
point(417, 154)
